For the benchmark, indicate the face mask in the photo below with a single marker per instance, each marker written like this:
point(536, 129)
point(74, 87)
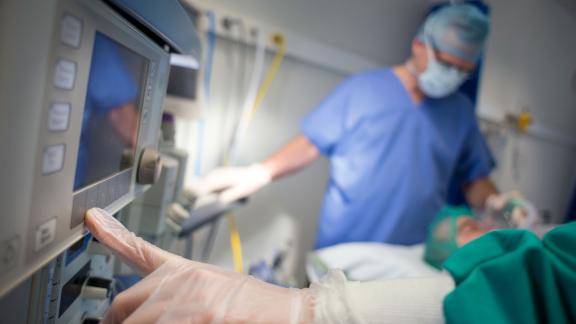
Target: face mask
point(440, 80)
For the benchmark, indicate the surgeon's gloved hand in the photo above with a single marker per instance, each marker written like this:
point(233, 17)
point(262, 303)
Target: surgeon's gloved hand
point(177, 290)
point(512, 208)
point(233, 183)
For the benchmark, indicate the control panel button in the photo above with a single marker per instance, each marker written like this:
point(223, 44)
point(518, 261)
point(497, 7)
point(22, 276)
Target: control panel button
point(70, 30)
point(9, 251)
point(45, 234)
point(53, 158)
point(148, 93)
point(58, 116)
point(64, 74)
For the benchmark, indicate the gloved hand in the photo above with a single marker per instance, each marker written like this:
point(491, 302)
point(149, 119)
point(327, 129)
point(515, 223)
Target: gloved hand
point(513, 208)
point(177, 290)
point(234, 182)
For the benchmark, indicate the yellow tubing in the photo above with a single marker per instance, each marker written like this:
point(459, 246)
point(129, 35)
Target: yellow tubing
point(235, 242)
point(278, 40)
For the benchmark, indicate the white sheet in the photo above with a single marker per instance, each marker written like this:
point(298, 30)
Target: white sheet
point(370, 261)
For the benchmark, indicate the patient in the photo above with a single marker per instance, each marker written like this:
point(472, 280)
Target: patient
point(455, 227)
point(452, 228)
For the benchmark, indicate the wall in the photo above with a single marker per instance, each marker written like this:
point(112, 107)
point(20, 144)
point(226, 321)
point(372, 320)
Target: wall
point(286, 212)
point(530, 66)
point(374, 29)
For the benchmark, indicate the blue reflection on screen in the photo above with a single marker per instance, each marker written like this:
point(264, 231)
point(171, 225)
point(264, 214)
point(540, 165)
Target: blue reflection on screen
point(111, 111)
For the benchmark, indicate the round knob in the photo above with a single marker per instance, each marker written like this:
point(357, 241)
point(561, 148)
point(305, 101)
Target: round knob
point(149, 167)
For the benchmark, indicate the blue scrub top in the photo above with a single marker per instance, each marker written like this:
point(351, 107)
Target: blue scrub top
point(391, 160)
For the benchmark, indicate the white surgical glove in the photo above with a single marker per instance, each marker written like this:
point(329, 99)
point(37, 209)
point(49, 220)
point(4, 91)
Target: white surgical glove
point(512, 208)
point(177, 290)
point(233, 182)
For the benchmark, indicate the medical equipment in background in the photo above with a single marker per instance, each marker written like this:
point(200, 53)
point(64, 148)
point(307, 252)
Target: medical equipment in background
point(182, 97)
point(210, 213)
point(81, 90)
point(147, 215)
point(246, 118)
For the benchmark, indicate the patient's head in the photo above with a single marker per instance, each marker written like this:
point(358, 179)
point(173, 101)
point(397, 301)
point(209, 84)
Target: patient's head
point(452, 228)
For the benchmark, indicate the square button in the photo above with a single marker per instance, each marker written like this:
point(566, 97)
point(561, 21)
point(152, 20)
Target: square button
point(45, 234)
point(53, 158)
point(58, 116)
point(71, 30)
point(65, 74)
point(9, 251)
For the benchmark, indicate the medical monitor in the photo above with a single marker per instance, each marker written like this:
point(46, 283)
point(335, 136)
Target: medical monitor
point(79, 124)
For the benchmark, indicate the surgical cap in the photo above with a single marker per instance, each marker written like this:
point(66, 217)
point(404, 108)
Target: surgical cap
point(459, 30)
point(442, 238)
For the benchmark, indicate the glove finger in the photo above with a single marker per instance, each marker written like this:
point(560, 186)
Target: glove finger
point(208, 185)
point(235, 193)
point(129, 300)
point(142, 256)
point(170, 312)
point(173, 285)
point(217, 183)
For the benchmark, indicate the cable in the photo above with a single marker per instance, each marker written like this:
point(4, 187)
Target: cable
point(200, 129)
point(256, 76)
point(279, 41)
point(237, 61)
point(235, 242)
point(211, 40)
point(251, 107)
point(232, 65)
point(209, 243)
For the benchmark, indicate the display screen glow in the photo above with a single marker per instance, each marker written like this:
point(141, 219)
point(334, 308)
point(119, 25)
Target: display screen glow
point(111, 111)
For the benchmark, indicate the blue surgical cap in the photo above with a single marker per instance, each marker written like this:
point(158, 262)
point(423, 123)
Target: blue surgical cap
point(459, 30)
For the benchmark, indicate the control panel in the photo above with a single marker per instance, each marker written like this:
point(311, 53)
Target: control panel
point(78, 129)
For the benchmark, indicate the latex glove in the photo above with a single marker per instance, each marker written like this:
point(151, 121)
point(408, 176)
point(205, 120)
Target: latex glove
point(177, 290)
point(233, 182)
point(516, 210)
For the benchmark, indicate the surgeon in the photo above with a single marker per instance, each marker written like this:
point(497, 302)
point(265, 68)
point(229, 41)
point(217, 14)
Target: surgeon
point(394, 137)
point(506, 276)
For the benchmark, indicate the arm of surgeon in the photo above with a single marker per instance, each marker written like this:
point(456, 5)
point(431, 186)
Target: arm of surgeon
point(478, 191)
point(177, 290)
point(292, 157)
point(238, 182)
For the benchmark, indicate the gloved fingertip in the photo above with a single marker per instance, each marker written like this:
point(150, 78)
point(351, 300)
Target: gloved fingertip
point(91, 216)
point(101, 224)
point(96, 212)
point(97, 216)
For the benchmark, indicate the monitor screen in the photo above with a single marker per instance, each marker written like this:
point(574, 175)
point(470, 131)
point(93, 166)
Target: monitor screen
point(111, 111)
